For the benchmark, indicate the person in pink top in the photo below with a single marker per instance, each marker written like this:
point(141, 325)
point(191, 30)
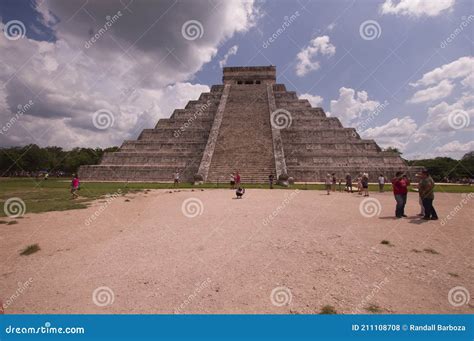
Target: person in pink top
point(237, 179)
point(74, 186)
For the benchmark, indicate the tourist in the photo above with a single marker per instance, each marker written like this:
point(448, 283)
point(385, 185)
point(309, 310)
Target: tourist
point(237, 179)
point(240, 192)
point(270, 180)
point(359, 184)
point(381, 181)
point(400, 185)
point(232, 181)
point(176, 178)
point(426, 191)
point(420, 202)
point(74, 186)
point(349, 182)
point(339, 188)
point(365, 184)
point(333, 182)
point(328, 183)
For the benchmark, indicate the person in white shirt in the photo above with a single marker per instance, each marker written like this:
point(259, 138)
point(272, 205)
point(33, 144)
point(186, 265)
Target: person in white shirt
point(176, 178)
point(381, 183)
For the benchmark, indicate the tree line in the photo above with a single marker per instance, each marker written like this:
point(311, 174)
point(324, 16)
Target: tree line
point(32, 159)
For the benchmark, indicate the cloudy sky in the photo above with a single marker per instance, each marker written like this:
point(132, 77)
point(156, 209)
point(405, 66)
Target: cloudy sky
point(400, 71)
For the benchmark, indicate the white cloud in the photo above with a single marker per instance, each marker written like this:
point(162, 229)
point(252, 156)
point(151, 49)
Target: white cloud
point(315, 100)
point(468, 82)
point(463, 67)
point(396, 133)
point(232, 51)
point(351, 105)
point(69, 82)
point(416, 8)
point(306, 61)
point(438, 115)
point(455, 149)
point(437, 92)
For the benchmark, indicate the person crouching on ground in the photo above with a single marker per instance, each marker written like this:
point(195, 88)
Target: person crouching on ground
point(240, 192)
point(426, 191)
point(400, 185)
point(74, 187)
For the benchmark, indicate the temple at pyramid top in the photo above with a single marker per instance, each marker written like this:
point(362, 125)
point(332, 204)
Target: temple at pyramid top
point(248, 124)
point(249, 75)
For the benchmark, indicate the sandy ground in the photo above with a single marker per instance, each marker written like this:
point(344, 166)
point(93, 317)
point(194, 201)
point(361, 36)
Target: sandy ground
point(141, 254)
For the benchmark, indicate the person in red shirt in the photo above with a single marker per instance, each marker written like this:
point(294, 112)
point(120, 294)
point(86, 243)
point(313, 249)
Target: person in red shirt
point(400, 185)
point(75, 186)
point(237, 179)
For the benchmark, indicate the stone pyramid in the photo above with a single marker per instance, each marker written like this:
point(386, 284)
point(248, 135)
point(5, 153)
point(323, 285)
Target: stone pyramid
point(249, 124)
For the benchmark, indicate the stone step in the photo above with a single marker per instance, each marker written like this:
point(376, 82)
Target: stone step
point(164, 147)
point(147, 159)
point(168, 134)
point(135, 173)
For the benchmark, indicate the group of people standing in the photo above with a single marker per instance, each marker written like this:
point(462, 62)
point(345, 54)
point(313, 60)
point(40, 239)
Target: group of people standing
point(400, 185)
point(362, 184)
point(425, 189)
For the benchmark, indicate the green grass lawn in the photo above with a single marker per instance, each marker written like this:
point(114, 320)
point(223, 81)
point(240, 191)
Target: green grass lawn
point(53, 194)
